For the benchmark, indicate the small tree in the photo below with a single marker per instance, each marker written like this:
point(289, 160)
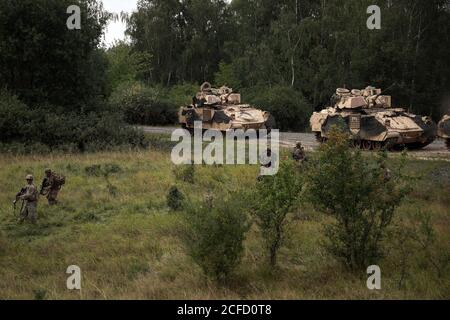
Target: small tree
point(175, 198)
point(215, 234)
point(275, 197)
point(359, 194)
point(105, 171)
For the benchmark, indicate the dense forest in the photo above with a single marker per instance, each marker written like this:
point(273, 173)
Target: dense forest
point(300, 48)
point(285, 56)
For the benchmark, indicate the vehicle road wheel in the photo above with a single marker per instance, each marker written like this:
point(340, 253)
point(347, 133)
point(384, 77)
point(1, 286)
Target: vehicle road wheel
point(318, 137)
point(377, 145)
point(357, 144)
point(366, 145)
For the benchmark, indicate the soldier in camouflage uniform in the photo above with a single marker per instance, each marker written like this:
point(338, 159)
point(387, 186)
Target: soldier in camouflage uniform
point(387, 173)
point(298, 153)
point(49, 187)
point(30, 195)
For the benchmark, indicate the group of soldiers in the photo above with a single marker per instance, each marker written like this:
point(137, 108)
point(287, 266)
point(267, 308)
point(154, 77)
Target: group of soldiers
point(51, 185)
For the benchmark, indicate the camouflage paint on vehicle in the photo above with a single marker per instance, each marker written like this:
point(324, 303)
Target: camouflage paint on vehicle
point(221, 109)
point(372, 122)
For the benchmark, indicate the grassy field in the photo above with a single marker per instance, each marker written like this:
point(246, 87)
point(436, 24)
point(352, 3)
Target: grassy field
point(127, 242)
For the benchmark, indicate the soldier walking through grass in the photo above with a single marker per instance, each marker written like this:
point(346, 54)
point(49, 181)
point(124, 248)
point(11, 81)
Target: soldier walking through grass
point(29, 195)
point(51, 185)
point(298, 154)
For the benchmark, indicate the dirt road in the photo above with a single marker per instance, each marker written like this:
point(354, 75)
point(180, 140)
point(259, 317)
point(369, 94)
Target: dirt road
point(436, 150)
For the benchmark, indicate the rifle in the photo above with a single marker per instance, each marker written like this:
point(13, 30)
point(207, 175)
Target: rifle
point(44, 185)
point(20, 193)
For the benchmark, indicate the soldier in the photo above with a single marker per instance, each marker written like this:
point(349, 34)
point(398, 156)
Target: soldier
point(299, 152)
point(387, 174)
point(51, 185)
point(30, 195)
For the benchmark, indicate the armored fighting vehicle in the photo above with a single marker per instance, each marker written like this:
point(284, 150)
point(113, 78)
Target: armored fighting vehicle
point(372, 122)
point(444, 129)
point(221, 109)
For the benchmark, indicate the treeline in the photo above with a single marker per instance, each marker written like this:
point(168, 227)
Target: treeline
point(54, 88)
point(284, 56)
point(289, 56)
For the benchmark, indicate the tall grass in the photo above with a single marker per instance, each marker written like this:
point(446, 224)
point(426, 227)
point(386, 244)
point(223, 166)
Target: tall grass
point(127, 244)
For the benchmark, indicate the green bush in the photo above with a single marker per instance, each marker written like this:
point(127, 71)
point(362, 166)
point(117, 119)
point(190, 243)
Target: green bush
point(227, 75)
point(144, 105)
point(289, 107)
point(13, 117)
point(182, 94)
point(105, 171)
point(275, 197)
point(356, 192)
point(175, 198)
point(46, 128)
point(215, 234)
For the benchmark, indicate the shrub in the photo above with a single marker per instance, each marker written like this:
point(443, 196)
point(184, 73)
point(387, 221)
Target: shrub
point(125, 64)
point(182, 94)
point(105, 171)
point(175, 198)
point(227, 75)
point(144, 105)
point(275, 197)
point(413, 236)
point(48, 129)
point(356, 193)
point(215, 235)
point(13, 117)
point(289, 107)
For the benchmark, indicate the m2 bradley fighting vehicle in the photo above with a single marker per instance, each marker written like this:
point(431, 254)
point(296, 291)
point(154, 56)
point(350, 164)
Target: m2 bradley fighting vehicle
point(221, 109)
point(372, 122)
point(444, 129)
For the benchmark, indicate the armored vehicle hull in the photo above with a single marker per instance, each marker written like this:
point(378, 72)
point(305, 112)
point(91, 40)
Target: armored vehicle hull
point(221, 109)
point(444, 129)
point(371, 121)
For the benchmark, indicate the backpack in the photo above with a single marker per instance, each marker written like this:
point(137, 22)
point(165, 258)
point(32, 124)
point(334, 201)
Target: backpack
point(59, 180)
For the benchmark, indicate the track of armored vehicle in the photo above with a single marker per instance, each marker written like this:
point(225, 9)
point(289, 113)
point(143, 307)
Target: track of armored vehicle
point(221, 109)
point(372, 122)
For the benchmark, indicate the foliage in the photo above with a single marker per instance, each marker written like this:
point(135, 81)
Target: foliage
point(228, 76)
point(69, 131)
point(275, 197)
point(215, 235)
point(175, 198)
point(288, 106)
point(105, 171)
point(414, 235)
point(110, 235)
point(43, 62)
point(55, 80)
point(181, 94)
point(311, 46)
point(185, 39)
point(357, 194)
point(143, 105)
point(125, 65)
